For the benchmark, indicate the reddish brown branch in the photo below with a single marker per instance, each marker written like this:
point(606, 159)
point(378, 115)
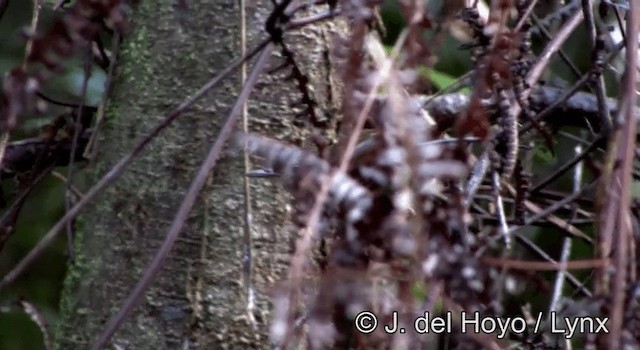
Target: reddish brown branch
point(622, 178)
point(543, 265)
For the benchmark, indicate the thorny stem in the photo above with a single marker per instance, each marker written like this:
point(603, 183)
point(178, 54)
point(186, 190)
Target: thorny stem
point(478, 172)
point(515, 108)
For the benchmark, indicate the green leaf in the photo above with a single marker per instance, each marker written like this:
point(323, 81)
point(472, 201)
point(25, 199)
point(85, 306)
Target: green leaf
point(544, 155)
point(440, 80)
point(635, 189)
point(419, 290)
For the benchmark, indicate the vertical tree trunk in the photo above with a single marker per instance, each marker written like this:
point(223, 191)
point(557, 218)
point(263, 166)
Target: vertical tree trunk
point(200, 299)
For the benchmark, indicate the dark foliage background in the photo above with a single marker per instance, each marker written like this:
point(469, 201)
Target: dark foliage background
point(42, 284)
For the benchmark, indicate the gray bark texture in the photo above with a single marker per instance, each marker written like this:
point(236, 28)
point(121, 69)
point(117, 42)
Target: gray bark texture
point(200, 299)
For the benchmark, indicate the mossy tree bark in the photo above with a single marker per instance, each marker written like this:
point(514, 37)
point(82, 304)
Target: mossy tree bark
point(200, 300)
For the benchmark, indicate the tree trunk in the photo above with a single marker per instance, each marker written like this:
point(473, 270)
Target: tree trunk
point(200, 299)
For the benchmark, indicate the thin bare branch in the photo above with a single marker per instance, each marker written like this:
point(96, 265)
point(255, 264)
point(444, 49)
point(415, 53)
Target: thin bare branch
point(622, 177)
point(543, 265)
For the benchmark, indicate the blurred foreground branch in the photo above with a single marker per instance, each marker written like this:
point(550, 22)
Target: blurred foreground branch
point(580, 110)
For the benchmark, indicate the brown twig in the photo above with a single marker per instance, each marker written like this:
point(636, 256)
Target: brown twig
point(560, 223)
point(77, 131)
point(551, 48)
point(563, 55)
point(535, 249)
point(543, 265)
point(621, 179)
point(567, 166)
point(526, 15)
point(598, 80)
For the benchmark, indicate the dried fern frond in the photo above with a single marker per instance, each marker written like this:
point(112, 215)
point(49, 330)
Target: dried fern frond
point(302, 174)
